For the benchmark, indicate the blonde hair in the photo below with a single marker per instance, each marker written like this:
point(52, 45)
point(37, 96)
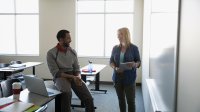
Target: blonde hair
point(125, 32)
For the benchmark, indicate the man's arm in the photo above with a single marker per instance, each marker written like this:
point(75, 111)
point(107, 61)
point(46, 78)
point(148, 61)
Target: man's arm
point(54, 69)
point(76, 66)
point(52, 65)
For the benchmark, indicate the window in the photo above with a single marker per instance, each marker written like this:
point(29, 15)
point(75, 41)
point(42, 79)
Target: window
point(19, 27)
point(97, 25)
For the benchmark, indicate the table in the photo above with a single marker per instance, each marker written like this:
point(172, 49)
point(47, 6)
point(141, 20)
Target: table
point(97, 68)
point(28, 97)
point(10, 70)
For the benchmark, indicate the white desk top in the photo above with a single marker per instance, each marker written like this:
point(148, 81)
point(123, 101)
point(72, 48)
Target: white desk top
point(27, 65)
point(26, 96)
point(96, 67)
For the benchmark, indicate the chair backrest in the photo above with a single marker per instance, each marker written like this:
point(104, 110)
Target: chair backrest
point(6, 87)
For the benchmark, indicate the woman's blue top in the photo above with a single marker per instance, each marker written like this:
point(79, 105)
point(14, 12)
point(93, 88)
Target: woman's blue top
point(131, 54)
point(121, 60)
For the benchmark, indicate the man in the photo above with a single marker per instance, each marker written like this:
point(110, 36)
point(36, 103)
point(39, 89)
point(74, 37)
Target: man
point(63, 64)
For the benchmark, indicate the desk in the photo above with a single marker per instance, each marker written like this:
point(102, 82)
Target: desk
point(98, 68)
point(28, 97)
point(9, 70)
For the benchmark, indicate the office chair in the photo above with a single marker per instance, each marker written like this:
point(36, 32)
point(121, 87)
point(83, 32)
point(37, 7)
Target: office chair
point(6, 91)
point(6, 87)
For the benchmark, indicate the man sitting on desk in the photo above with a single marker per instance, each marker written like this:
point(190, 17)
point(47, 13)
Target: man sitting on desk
point(63, 64)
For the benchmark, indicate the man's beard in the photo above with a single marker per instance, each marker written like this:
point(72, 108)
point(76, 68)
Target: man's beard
point(66, 45)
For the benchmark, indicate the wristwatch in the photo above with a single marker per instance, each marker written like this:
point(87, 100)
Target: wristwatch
point(116, 68)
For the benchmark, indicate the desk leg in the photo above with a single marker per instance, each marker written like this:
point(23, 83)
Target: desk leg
point(97, 77)
point(97, 82)
point(33, 70)
point(58, 103)
point(83, 77)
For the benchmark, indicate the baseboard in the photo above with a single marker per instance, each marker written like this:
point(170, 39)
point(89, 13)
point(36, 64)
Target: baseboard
point(111, 83)
point(138, 84)
point(106, 82)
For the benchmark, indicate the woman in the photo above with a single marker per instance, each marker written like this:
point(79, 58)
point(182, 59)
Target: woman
point(124, 79)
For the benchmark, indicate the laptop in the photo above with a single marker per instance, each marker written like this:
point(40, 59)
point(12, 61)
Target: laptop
point(37, 85)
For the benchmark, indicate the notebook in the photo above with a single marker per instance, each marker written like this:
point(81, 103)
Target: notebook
point(36, 85)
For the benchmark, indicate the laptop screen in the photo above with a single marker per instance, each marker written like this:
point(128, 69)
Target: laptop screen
point(35, 85)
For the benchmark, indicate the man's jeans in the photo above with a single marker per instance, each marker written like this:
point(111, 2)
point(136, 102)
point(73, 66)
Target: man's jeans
point(82, 92)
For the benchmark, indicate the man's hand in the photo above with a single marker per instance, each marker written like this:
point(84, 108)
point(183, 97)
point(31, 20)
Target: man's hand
point(77, 80)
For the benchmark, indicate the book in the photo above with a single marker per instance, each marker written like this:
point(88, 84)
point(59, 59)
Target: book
point(17, 107)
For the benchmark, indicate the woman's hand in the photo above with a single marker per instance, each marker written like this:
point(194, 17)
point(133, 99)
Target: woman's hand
point(118, 70)
point(132, 64)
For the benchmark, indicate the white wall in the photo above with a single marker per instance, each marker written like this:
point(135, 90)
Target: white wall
point(145, 58)
point(158, 61)
point(54, 16)
point(188, 97)
point(189, 58)
point(60, 14)
point(138, 32)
